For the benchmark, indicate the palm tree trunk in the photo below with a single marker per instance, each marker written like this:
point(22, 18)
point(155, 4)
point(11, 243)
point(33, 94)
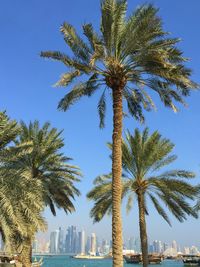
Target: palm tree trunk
point(143, 231)
point(26, 253)
point(117, 243)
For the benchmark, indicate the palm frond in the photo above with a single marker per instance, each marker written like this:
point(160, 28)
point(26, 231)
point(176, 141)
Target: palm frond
point(77, 45)
point(67, 78)
point(102, 110)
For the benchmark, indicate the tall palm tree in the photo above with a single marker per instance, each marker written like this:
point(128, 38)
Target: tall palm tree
point(21, 201)
point(127, 56)
point(143, 156)
point(47, 165)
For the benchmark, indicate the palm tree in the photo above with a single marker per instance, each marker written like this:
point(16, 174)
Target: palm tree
point(21, 206)
point(48, 166)
point(127, 56)
point(143, 157)
point(21, 203)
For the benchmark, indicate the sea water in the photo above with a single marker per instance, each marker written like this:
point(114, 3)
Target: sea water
point(66, 261)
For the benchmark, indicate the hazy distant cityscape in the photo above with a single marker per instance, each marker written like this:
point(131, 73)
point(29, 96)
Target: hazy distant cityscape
point(76, 241)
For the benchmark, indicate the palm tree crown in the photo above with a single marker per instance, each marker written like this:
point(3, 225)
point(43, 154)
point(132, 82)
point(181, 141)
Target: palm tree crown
point(21, 203)
point(133, 53)
point(143, 157)
point(49, 165)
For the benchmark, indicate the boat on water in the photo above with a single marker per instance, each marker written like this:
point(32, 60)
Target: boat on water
point(88, 257)
point(191, 260)
point(137, 258)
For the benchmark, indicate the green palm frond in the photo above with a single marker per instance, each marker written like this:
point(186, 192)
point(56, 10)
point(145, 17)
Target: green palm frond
point(135, 52)
point(79, 90)
point(107, 13)
point(8, 130)
point(67, 78)
point(102, 110)
point(159, 209)
point(49, 166)
point(34, 173)
point(143, 156)
point(129, 204)
point(77, 45)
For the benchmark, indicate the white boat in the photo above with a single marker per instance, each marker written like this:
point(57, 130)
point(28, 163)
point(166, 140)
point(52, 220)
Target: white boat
point(88, 257)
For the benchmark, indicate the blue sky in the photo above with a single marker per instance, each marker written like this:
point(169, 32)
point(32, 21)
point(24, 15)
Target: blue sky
point(26, 91)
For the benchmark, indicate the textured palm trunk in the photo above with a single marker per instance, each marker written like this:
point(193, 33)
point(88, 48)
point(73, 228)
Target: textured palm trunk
point(117, 243)
point(143, 231)
point(26, 254)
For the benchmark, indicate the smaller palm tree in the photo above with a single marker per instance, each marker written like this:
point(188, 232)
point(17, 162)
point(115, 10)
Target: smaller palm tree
point(21, 202)
point(46, 165)
point(143, 157)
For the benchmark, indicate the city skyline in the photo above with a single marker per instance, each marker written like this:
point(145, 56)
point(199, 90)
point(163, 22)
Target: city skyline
point(27, 94)
point(76, 241)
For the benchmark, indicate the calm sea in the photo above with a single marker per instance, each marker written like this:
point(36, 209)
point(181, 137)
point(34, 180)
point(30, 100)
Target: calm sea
point(66, 261)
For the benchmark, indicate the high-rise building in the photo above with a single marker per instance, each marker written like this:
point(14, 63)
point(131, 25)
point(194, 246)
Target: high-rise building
point(88, 244)
point(157, 246)
point(71, 242)
point(165, 246)
point(54, 242)
point(60, 241)
point(93, 246)
point(151, 248)
point(105, 248)
point(81, 242)
point(174, 246)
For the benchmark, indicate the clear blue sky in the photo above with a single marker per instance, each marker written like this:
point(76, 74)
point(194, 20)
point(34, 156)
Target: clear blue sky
point(26, 28)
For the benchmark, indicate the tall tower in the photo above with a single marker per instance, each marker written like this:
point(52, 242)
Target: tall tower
point(54, 242)
point(93, 244)
point(88, 245)
point(71, 240)
point(81, 242)
point(60, 240)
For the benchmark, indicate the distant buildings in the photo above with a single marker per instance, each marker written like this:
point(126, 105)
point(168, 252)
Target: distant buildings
point(133, 243)
point(77, 242)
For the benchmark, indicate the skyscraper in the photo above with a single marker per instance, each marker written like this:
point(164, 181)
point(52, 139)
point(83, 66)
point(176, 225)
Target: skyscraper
point(88, 243)
point(60, 241)
point(54, 242)
point(71, 242)
point(165, 246)
point(93, 244)
point(81, 242)
point(105, 247)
